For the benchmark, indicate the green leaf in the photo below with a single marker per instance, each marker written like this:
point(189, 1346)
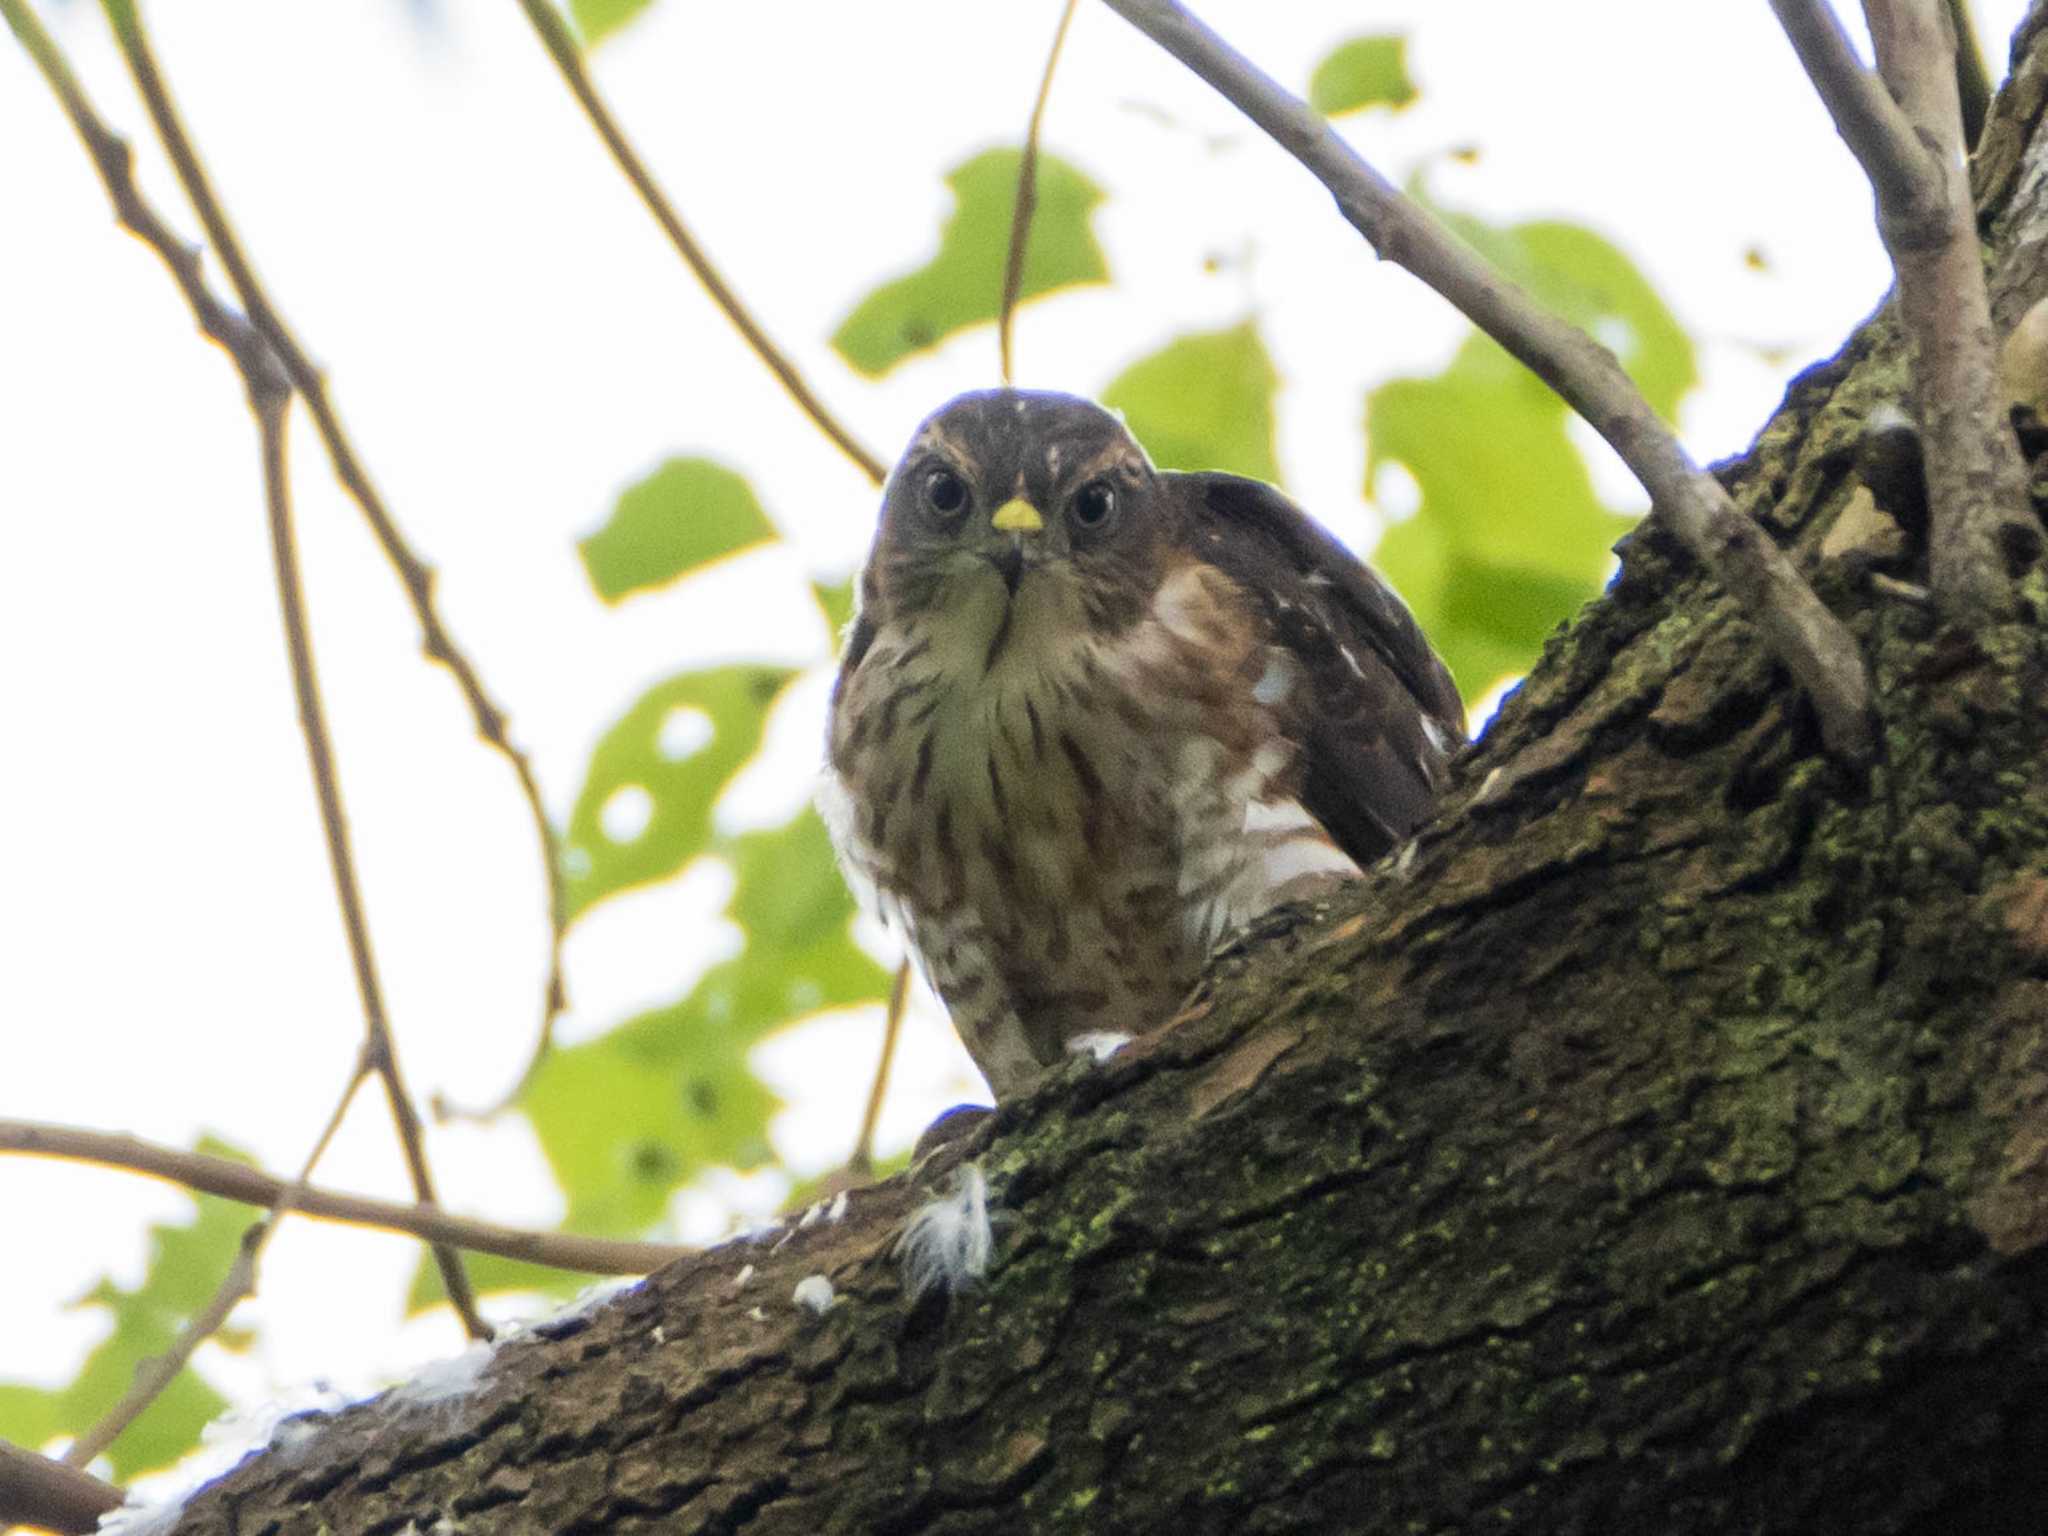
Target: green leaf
point(836, 599)
point(1590, 282)
point(629, 1118)
point(1511, 539)
point(677, 747)
point(599, 19)
point(1365, 72)
point(686, 514)
point(1204, 401)
point(186, 1264)
point(962, 285)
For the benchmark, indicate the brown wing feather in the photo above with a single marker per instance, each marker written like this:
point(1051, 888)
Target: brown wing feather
point(1371, 762)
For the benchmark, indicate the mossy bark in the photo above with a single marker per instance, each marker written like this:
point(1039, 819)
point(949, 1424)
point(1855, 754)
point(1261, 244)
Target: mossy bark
point(1661, 1145)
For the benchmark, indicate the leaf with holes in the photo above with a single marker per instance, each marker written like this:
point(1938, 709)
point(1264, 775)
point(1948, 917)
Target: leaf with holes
point(645, 807)
point(1204, 401)
point(186, 1264)
point(1365, 72)
point(962, 285)
point(687, 514)
point(629, 1118)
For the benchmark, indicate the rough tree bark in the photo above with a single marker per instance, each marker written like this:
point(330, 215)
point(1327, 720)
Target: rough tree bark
point(1663, 1146)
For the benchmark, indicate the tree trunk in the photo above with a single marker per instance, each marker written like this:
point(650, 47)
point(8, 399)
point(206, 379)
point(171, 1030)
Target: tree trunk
point(1661, 1145)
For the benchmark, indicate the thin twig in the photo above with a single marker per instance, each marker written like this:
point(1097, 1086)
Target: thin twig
point(863, 1159)
point(155, 1374)
point(1904, 126)
point(112, 155)
point(1027, 201)
point(270, 407)
point(114, 161)
point(561, 46)
point(46, 1494)
point(250, 1186)
point(1812, 643)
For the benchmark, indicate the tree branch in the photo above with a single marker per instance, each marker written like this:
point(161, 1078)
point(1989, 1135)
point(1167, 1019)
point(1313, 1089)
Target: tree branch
point(1027, 202)
point(1812, 643)
point(34, 1490)
point(111, 154)
point(1906, 131)
point(153, 1375)
point(561, 47)
point(863, 1159)
point(270, 402)
point(251, 1186)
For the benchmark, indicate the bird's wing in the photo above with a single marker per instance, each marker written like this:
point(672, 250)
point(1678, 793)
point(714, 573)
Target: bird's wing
point(1383, 715)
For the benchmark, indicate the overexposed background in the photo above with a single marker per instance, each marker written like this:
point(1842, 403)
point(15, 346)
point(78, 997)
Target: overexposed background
point(511, 342)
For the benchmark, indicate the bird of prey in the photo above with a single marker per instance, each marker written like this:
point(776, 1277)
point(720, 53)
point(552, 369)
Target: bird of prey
point(1093, 716)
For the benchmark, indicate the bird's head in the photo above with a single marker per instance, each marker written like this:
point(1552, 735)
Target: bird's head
point(1016, 497)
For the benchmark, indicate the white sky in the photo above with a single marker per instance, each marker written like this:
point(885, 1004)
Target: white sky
point(512, 342)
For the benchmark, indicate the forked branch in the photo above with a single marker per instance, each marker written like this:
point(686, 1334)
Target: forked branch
point(1812, 643)
point(270, 396)
point(1904, 125)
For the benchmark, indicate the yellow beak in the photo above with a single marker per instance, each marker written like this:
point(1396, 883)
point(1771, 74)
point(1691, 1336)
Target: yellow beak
point(1018, 516)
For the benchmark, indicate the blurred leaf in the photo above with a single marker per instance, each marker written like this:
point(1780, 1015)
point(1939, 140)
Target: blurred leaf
point(599, 19)
point(678, 746)
point(629, 1118)
point(1365, 72)
point(962, 284)
point(836, 598)
point(1510, 539)
point(1591, 283)
point(186, 1264)
point(688, 513)
point(1204, 401)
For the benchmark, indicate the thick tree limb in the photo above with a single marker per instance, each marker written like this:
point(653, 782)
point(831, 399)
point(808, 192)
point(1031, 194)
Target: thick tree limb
point(1906, 131)
point(250, 1186)
point(270, 402)
point(1814, 646)
point(562, 48)
point(49, 1495)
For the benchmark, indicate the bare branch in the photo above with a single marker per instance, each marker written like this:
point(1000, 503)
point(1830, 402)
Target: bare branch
point(1906, 131)
point(1812, 643)
point(37, 1491)
point(1877, 132)
point(270, 404)
point(277, 352)
point(561, 46)
point(155, 1374)
point(251, 1186)
point(1027, 201)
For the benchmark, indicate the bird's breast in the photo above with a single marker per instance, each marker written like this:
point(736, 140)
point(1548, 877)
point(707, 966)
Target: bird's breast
point(1065, 832)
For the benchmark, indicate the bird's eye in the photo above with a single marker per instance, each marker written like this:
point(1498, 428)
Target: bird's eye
point(945, 493)
point(1093, 506)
